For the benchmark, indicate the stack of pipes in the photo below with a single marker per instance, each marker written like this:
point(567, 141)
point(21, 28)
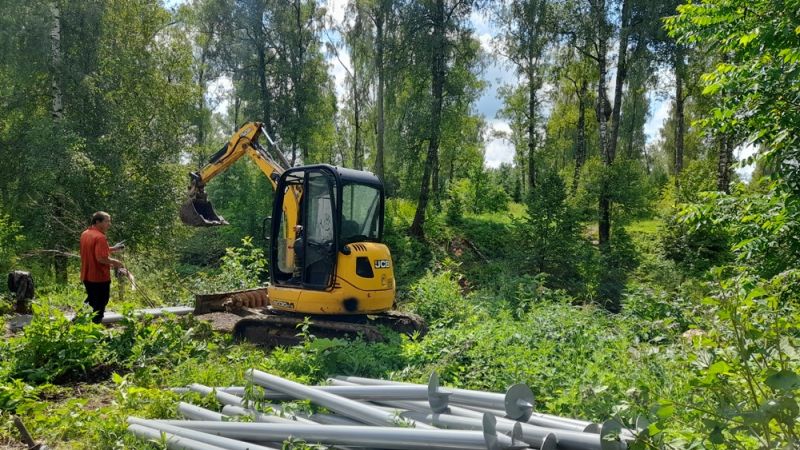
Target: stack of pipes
point(377, 414)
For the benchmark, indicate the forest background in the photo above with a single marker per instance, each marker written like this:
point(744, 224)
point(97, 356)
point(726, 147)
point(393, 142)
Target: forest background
point(618, 275)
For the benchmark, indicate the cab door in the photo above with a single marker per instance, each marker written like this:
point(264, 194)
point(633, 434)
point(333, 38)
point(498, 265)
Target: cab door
point(319, 229)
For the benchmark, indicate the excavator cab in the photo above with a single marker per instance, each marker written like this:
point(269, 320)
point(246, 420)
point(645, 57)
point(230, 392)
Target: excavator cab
point(336, 208)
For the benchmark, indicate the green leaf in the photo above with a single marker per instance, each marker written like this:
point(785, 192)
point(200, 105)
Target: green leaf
point(716, 436)
point(747, 38)
point(719, 367)
point(785, 380)
point(665, 411)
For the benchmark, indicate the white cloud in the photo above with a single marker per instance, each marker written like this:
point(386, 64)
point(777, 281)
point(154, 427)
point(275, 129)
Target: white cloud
point(743, 152)
point(336, 10)
point(498, 150)
point(219, 93)
point(661, 108)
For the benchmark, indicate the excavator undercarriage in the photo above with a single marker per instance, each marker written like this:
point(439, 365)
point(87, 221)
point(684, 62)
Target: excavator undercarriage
point(249, 318)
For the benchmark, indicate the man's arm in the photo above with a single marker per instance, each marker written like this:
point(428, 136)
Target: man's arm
point(102, 252)
point(110, 262)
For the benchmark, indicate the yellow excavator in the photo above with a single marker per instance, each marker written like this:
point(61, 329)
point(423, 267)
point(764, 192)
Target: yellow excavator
point(327, 258)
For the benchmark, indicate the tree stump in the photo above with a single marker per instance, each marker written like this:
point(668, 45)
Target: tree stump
point(22, 290)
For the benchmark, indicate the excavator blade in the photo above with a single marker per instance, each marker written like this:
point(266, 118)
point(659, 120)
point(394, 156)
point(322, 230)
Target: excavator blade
point(200, 213)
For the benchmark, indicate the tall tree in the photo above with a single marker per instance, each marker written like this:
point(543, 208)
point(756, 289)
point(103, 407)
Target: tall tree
point(444, 23)
point(526, 32)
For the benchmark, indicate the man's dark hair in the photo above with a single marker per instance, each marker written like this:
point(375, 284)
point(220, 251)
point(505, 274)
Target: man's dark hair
point(100, 216)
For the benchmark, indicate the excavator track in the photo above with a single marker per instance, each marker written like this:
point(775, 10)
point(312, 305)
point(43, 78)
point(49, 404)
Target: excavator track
point(285, 331)
point(249, 318)
point(277, 329)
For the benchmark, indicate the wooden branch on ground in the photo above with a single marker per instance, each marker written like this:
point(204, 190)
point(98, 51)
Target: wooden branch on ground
point(475, 249)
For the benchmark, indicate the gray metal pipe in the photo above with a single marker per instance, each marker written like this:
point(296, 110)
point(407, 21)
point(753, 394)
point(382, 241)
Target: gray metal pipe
point(419, 392)
point(259, 416)
point(517, 402)
point(350, 408)
point(367, 381)
point(567, 439)
point(542, 440)
point(518, 405)
point(333, 419)
point(194, 412)
point(199, 436)
point(537, 419)
point(173, 442)
point(364, 436)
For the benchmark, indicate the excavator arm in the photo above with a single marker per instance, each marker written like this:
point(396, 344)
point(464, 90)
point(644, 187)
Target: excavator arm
point(197, 211)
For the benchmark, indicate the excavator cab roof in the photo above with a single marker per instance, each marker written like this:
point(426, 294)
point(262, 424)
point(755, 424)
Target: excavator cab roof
point(342, 174)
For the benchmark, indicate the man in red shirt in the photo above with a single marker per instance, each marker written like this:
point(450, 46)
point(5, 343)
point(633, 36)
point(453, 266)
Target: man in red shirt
point(96, 263)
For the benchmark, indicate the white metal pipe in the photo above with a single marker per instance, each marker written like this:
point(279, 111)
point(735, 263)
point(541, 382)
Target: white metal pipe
point(333, 419)
point(235, 390)
point(194, 412)
point(567, 439)
point(259, 416)
point(517, 402)
point(112, 317)
point(341, 405)
point(206, 438)
point(173, 442)
point(366, 436)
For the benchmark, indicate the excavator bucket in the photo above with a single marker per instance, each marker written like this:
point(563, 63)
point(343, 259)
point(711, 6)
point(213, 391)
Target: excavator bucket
point(199, 213)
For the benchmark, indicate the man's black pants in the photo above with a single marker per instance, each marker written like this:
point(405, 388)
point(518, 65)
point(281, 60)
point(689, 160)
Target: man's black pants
point(97, 295)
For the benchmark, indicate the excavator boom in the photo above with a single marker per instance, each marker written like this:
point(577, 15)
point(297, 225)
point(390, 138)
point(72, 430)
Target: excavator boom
point(197, 210)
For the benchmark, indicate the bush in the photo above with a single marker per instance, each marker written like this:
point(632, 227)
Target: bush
point(54, 349)
point(438, 299)
point(548, 238)
point(10, 241)
point(242, 267)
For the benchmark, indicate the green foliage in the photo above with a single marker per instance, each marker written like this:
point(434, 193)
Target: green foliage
point(625, 185)
point(745, 355)
point(754, 84)
point(437, 298)
point(548, 238)
point(242, 268)
point(10, 240)
point(615, 266)
point(55, 349)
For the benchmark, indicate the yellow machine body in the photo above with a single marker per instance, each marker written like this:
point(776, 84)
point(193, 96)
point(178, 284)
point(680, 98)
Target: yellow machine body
point(351, 293)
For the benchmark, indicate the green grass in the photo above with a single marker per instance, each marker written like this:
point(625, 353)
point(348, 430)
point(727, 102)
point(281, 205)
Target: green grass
point(646, 226)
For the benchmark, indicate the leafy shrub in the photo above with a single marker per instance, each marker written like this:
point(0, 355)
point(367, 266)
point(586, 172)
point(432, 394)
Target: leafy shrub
point(10, 240)
point(242, 268)
point(438, 299)
point(161, 342)
point(745, 371)
point(55, 349)
point(693, 245)
point(548, 238)
point(615, 265)
point(479, 194)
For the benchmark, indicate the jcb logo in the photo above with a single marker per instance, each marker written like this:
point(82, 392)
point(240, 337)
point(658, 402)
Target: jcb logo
point(382, 264)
